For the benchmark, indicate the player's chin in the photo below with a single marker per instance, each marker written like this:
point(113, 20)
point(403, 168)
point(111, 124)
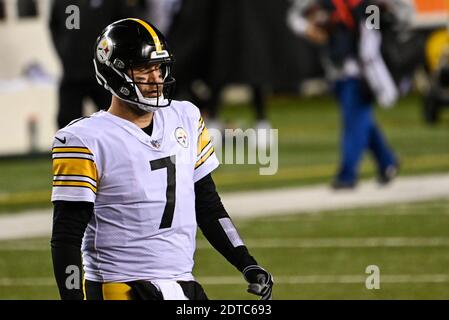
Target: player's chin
point(151, 94)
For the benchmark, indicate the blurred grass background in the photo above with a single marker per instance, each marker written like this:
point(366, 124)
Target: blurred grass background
point(308, 150)
point(308, 154)
point(26, 270)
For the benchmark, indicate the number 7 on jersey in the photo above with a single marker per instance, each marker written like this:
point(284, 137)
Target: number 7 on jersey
point(169, 210)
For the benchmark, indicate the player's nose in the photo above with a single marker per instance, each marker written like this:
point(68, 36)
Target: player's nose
point(154, 75)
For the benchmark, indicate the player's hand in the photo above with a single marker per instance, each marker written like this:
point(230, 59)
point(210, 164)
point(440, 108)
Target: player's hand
point(260, 281)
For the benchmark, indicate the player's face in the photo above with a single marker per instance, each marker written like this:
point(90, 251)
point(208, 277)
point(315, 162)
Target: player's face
point(149, 80)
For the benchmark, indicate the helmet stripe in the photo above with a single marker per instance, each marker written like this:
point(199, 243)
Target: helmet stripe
point(153, 33)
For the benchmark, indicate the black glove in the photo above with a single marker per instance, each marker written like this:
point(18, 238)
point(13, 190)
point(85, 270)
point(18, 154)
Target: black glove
point(260, 281)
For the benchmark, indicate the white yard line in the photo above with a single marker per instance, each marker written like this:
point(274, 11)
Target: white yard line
point(339, 243)
point(35, 223)
point(321, 198)
point(327, 279)
point(238, 280)
point(251, 204)
point(294, 243)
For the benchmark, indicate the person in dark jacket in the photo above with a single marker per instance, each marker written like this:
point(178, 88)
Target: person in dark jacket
point(234, 42)
point(74, 48)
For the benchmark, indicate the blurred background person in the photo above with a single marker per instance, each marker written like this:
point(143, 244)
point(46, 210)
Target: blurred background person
point(27, 8)
point(161, 12)
point(355, 64)
point(74, 48)
point(234, 42)
point(2, 9)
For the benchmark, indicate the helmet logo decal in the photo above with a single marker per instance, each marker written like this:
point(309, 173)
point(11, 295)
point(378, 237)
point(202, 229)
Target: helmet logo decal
point(181, 137)
point(125, 91)
point(104, 50)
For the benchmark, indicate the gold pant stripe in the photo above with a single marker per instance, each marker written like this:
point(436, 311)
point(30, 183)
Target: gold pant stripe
point(116, 291)
point(84, 288)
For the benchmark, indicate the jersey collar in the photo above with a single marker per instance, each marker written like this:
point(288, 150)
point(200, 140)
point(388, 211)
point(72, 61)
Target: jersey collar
point(154, 141)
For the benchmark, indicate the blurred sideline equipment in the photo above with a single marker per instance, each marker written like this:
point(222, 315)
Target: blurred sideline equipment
point(437, 96)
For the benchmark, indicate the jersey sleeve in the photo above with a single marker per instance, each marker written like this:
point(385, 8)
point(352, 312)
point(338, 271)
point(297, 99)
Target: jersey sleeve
point(75, 174)
point(206, 160)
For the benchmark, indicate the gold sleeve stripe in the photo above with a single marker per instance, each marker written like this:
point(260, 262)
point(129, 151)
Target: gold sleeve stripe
point(71, 150)
point(75, 166)
point(203, 141)
point(204, 158)
point(75, 184)
point(201, 129)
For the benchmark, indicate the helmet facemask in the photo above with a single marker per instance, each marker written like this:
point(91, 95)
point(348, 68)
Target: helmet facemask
point(149, 96)
point(129, 90)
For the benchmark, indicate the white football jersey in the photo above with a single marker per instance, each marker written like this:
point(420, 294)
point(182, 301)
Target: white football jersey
point(144, 223)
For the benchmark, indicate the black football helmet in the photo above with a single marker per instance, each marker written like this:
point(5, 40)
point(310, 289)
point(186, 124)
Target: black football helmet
point(127, 45)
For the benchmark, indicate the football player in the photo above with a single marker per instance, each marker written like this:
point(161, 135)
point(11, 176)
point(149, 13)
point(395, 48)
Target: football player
point(132, 184)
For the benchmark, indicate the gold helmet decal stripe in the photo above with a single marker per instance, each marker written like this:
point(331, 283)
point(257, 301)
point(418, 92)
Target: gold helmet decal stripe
point(153, 33)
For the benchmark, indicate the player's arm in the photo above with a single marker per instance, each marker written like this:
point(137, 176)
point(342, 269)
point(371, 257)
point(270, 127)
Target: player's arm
point(70, 220)
point(215, 222)
point(75, 180)
point(220, 231)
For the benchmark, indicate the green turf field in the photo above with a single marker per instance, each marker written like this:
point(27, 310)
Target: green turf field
point(312, 256)
point(308, 150)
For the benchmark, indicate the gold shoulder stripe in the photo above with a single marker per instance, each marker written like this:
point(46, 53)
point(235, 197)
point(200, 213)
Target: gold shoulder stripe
point(75, 184)
point(200, 123)
point(203, 140)
point(204, 158)
point(153, 33)
point(201, 150)
point(75, 166)
point(69, 147)
point(88, 159)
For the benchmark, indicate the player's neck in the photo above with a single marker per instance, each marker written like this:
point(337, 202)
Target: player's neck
point(123, 110)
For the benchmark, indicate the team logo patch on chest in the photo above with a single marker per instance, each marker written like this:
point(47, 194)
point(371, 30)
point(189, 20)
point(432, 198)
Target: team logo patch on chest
point(181, 137)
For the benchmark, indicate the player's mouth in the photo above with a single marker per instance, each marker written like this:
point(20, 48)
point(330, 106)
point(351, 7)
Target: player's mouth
point(152, 93)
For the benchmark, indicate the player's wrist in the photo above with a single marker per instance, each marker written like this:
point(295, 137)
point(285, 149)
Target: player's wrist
point(245, 259)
